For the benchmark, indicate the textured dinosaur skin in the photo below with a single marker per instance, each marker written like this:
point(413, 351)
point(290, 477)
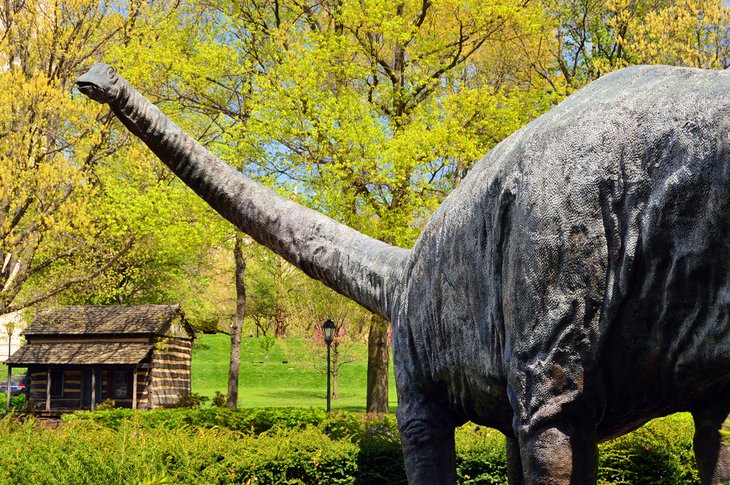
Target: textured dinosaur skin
point(574, 286)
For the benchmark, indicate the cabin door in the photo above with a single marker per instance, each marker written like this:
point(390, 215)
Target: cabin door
point(86, 387)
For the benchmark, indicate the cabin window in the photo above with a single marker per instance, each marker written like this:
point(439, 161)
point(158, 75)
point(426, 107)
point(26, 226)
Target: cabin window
point(122, 384)
point(57, 383)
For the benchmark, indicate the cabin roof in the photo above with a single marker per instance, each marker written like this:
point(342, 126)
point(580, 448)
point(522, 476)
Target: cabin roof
point(105, 320)
point(76, 353)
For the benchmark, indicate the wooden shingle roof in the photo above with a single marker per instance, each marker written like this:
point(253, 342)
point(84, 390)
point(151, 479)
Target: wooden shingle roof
point(75, 353)
point(103, 320)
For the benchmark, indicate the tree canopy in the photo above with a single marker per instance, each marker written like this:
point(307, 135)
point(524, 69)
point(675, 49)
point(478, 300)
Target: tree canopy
point(370, 111)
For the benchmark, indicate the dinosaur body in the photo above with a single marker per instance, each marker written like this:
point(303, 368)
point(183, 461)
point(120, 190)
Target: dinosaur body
point(574, 286)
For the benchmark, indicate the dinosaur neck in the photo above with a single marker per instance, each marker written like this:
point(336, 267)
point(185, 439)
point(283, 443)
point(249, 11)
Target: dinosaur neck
point(359, 267)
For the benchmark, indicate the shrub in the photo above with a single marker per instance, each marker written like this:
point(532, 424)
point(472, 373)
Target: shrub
point(660, 452)
point(17, 403)
point(192, 400)
point(380, 459)
point(302, 446)
point(263, 419)
point(105, 405)
point(254, 420)
point(219, 400)
point(342, 426)
point(110, 418)
point(480, 456)
point(298, 456)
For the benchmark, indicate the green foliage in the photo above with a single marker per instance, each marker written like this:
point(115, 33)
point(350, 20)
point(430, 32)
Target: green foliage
point(291, 446)
point(253, 420)
point(480, 456)
point(381, 458)
point(17, 403)
point(267, 342)
point(192, 400)
point(660, 452)
point(589, 39)
point(342, 426)
point(48, 156)
point(219, 399)
point(105, 405)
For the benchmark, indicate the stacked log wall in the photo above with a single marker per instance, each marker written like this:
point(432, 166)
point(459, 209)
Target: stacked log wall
point(71, 397)
point(170, 373)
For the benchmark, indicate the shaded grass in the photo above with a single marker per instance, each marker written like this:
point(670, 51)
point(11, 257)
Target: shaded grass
point(289, 373)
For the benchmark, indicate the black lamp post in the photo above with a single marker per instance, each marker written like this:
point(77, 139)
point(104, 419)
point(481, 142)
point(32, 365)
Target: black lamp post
point(328, 331)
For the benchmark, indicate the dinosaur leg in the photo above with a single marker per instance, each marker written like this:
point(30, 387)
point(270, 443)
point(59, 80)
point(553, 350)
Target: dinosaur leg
point(428, 442)
point(559, 453)
point(711, 450)
point(515, 476)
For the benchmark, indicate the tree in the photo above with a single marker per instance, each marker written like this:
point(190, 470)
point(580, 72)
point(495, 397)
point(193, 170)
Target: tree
point(319, 303)
point(132, 208)
point(172, 231)
point(272, 283)
point(237, 327)
point(377, 109)
point(378, 359)
point(589, 38)
point(693, 33)
point(369, 111)
point(48, 155)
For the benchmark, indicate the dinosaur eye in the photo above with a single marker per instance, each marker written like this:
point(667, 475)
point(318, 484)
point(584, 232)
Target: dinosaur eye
point(111, 72)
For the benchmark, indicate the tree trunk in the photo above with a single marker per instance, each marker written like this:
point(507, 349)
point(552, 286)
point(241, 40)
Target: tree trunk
point(237, 327)
point(279, 322)
point(378, 357)
point(335, 372)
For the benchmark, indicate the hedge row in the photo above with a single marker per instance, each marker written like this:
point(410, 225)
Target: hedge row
point(254, 420)
point(273, 447)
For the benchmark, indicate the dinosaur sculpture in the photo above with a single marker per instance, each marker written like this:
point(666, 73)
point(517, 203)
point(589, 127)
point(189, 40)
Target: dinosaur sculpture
point(574, 286)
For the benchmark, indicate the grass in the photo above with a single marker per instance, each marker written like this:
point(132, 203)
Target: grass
point(289, 373)
point(4, 372)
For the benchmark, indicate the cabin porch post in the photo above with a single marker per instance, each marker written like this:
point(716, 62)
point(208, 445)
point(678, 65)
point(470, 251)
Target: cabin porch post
point(8, 389)
point(134, 388)
point(48, 389)
point(93, 387)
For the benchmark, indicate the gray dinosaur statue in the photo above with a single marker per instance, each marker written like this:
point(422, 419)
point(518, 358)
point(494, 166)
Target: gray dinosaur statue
point(574, 286)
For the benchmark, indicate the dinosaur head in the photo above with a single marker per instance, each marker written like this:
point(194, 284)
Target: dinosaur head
point(100, 83)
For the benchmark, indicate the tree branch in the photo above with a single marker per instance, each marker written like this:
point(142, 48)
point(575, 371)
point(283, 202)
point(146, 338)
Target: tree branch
point(71, 282)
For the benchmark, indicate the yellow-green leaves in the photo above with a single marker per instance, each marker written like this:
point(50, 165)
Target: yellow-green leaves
point(693, 33)
point(589, 38)
point(68, 212)
point(375, 110)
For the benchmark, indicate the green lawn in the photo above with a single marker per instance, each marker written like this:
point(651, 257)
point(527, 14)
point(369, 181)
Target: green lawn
point(265, 379)
point(284, 376)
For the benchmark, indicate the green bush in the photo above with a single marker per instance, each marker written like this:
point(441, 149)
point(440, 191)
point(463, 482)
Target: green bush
point(17, 403)
point(660, 452)
point(285, 446)
point(219, 400)
point(298, 456)
point(106, 404)
point(254, 420)
point(110, 418)
point(342, 426)
point(480, 456)
point(380, 459)
point(192, 400)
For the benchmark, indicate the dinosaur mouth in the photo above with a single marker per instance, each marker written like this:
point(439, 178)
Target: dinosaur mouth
point(85, 87)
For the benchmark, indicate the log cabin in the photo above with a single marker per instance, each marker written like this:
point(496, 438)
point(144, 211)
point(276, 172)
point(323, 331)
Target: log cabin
point(78, 356)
